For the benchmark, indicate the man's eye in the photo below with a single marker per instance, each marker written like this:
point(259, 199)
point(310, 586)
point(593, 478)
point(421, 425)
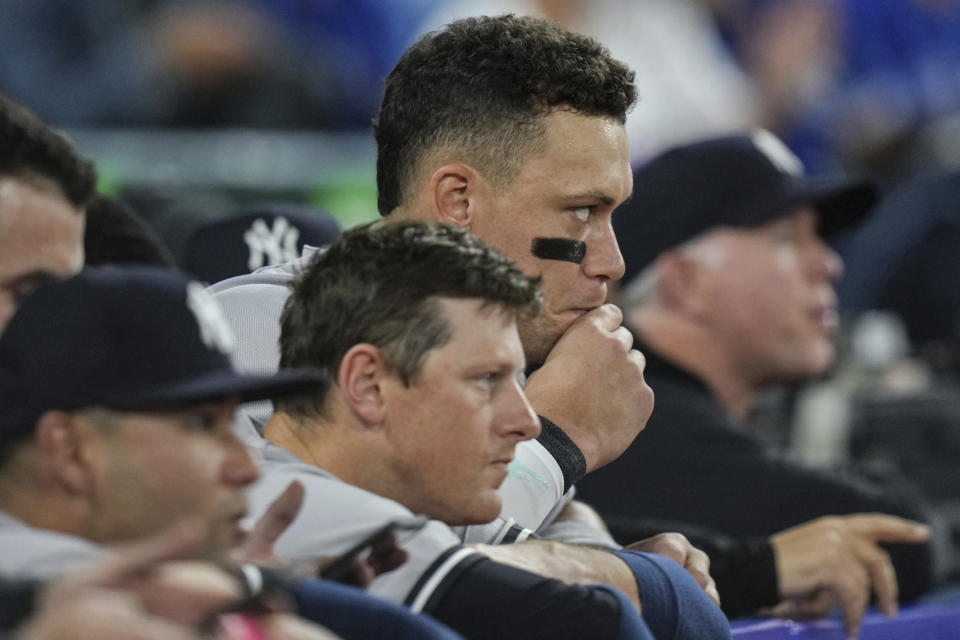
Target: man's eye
point(490, 380)
point(202, 422)
point(785, 236)
point(582, 213)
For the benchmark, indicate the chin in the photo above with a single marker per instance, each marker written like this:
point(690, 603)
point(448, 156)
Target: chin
point(540, 335)
point(803, 371)
point(824, 355)
point(537, 345)
point(482, 511)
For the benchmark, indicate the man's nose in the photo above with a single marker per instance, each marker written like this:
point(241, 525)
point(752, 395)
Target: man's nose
point(239, 467)
point(603, 258)
point(518, 417)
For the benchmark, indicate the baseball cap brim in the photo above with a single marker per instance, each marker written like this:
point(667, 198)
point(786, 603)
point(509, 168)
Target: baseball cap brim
point(218, 385)
point(841, 202)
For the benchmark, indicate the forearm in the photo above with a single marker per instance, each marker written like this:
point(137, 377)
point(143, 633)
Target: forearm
point(493, 600)
point(568, 563)
point(578, 523)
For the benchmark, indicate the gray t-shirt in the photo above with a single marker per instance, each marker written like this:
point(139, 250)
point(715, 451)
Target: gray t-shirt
point(26, 552)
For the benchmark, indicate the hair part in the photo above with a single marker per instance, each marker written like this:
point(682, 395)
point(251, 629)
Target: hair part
point(380, 284)
point(481, 87)
point(28, 147)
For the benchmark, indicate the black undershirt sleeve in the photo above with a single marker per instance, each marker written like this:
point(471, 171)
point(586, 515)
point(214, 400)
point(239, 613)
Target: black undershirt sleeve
point(17, 598)
point(481, 598)
point(746, 576)
point(564, 450)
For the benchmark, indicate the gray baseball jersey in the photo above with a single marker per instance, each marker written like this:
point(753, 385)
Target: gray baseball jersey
point(335, 515)
point(37, 553)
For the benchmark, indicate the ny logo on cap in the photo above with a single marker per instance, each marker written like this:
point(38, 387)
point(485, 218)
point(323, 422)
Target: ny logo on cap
point(271, 246)
point(777, 153)
point(214, 330)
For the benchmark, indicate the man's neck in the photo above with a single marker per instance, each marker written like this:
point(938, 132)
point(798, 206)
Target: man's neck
point(39, 509)
point(340, 451)
point(326, 444)
point(691, 348)
point(290, 433)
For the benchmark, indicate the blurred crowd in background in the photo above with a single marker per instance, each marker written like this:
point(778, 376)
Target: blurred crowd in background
point(859, 84)
point(199, 112)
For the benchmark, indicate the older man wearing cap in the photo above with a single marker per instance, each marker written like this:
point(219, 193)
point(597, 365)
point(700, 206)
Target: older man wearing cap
point(117, 394)
point(116, 401)
point(731, 292)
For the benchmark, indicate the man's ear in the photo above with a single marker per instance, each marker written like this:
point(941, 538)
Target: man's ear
point(63, 443)
point(453, 191)
point(684, 283)
point(360, 379)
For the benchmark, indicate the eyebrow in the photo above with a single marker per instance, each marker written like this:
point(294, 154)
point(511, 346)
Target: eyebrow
point(591, 195)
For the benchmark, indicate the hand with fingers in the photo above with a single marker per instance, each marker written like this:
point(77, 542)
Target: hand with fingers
point(591, 385)
point(258, 546)
point(676, 547)
point(836, 561)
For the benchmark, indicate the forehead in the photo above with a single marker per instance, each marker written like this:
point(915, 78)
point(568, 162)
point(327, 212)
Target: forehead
point(581, 156)
point(479, 332)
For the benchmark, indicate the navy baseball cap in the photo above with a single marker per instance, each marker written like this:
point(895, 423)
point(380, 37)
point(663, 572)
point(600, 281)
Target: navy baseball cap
point(124, 338)
point(254, 237)
point(732, 181)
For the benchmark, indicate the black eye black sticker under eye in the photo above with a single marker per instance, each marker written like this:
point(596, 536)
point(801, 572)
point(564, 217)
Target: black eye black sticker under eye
point(559, 249)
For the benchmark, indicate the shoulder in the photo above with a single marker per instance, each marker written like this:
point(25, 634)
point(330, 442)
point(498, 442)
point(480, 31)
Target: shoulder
point(335, 515)
point(277, 275)
point(252, 304)
point(40, 553)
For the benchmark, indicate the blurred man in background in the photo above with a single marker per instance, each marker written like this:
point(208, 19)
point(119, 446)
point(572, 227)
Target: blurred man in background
point(731, 292)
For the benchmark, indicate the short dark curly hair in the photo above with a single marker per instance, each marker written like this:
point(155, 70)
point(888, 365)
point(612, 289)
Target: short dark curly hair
point(28, 147)
point(380, 284)
point(482, 86)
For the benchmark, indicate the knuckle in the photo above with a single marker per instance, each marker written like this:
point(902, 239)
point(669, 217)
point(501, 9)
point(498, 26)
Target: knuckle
point(833, 523)
point(675, 540)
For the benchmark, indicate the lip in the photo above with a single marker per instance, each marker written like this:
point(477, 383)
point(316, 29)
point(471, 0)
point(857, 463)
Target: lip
point(502, 470)
point(585, 309)
point(826, 318)
point(238, 516)
point(239, 533)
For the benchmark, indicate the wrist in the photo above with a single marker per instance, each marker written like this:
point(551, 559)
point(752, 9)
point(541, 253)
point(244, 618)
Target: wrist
point(568, 454)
